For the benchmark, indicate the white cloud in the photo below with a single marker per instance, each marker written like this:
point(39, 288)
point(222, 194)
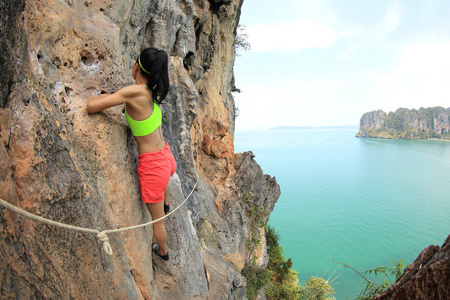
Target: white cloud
point(420, 78)
point(431, 9)
point(391, 20)
point(318, 9)
point(364, 38)
point(315, 26)
point(290, 37)
point(292, 104)
point(305, 25)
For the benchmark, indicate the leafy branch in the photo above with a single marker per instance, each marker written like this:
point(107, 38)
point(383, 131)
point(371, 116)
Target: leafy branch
point(372, 288)
point(241, 40)
point(349, 267)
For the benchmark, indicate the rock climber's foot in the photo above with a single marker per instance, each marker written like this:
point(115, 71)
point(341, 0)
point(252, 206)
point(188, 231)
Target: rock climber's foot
point(155, 248)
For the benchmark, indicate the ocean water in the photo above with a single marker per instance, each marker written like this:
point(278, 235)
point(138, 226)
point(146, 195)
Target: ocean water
point(361, 202)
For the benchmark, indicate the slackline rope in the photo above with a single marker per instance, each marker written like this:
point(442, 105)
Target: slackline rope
point(101, 235)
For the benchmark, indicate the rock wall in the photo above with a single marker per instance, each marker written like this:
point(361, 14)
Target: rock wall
point(58, 162)
point(432, 122)
point(426, 278)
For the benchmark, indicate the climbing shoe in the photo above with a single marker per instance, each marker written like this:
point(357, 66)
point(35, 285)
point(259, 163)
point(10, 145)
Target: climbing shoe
point(155, 248)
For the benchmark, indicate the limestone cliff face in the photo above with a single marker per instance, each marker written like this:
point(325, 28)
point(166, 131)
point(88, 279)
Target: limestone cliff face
point(432, 122)
point(58, 162)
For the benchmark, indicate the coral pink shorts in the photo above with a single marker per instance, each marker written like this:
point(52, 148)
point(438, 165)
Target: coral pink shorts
point(155, 169)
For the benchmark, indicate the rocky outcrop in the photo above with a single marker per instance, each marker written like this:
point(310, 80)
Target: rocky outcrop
point(432, 122)
point(426, 278)
point(374, 119)
point(58, 162)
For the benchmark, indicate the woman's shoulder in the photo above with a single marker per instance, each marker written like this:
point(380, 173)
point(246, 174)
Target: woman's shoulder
point(133, 90)
point(137, 95)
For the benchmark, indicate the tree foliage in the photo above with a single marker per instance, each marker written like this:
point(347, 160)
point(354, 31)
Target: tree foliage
point(257, 278)
point(241, 42)
point(317, 288)
point(278, 280)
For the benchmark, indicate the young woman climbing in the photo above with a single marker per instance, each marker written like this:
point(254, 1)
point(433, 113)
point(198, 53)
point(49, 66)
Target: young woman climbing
point(143, 115)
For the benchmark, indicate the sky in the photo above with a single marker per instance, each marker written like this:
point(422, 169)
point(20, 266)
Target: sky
point(327, 62)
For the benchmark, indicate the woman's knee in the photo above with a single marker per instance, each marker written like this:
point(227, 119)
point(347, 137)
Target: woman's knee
point(159, 228)
point(161, 223)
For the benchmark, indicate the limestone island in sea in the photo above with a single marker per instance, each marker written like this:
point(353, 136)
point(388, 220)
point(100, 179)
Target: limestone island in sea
point(425, 123)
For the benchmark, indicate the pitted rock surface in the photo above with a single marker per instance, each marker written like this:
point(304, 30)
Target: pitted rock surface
point(61, 163)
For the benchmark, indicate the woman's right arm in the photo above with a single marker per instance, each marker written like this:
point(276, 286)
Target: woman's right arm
point(105, 101)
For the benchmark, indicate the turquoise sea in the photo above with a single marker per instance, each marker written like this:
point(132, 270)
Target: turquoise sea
point(362, 202)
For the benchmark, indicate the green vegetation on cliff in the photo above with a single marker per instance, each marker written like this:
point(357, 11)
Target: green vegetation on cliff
point(425, 123)
point(278, 280)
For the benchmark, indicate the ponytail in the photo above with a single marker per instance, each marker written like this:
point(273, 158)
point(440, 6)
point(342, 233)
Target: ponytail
point(155, 66)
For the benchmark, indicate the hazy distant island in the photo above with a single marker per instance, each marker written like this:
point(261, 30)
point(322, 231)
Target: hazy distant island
point(312, 127)
point(425, 123)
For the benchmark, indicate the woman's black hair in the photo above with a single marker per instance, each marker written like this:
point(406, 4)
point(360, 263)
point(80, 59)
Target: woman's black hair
point(154, 66)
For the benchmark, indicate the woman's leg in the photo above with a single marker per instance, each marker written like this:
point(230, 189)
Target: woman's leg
point(166, 199)
point(159, 228)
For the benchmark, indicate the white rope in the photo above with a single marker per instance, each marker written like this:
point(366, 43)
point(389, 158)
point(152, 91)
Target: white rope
point(101, 235)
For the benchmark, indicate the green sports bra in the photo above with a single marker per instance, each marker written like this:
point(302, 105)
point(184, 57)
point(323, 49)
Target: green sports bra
point(147, 126)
